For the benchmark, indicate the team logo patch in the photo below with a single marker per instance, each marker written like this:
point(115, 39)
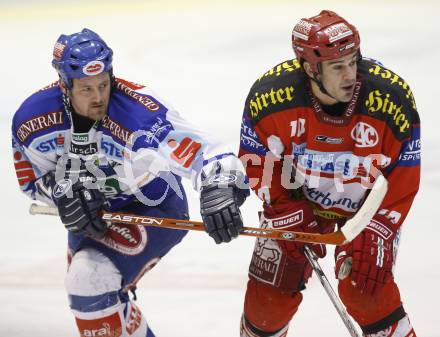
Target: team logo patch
point(223, 179)
point(58, 51)
point(302, 30)
point(23, 168)
point(147, 101)
point(93, 68)
point(411, 150)
point(184, 151)
point(288, 236)
point(107, 326)
point(346, 47)
point(126, 239)
point(80, 137)
point(288, 221)
point(329, 140)
point(266, 261)
point(134, 319)
point(383, 103)
point(337, 32)
point(39, 123)
point(60, 140)
point(62, 187)
point(380, 229)
point(249, 139)
point(157, 131)
point(117, 130)
point(84, 149)
point(364, 135)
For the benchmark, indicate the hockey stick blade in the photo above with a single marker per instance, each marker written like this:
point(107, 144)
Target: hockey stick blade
point(352, 227)
point(35, 209)
point(361, 219)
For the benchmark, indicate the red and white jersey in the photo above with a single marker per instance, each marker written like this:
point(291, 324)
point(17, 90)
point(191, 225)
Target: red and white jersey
point(288, 140)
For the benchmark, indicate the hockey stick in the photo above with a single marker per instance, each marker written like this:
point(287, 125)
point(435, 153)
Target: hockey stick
point(313, 259)
point(347, 233)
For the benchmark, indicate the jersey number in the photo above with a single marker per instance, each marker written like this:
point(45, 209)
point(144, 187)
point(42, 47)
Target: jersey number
point(298, 127)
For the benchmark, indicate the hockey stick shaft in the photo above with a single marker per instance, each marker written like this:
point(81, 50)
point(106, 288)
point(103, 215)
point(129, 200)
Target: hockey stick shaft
point(347, 233)
point(134, 219)
point(330, 292)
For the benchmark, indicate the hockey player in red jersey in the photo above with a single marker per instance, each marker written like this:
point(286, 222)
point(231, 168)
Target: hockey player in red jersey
point(316, 132)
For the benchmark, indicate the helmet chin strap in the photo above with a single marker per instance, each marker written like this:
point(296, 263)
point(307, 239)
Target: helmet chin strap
point(73, 115)
point(321, 85)
point(68, 107)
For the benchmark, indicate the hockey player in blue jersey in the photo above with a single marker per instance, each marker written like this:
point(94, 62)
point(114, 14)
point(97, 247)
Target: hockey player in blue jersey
point(90, 142)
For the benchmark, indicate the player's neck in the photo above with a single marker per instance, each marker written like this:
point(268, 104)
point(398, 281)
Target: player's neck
point(81, 124)
point(322, 98)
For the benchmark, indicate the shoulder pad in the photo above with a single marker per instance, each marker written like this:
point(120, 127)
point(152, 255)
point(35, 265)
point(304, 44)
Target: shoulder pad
point(140, 94)
point(134, 107)
point(40, 112)
point(280, 88)
point(387, 97)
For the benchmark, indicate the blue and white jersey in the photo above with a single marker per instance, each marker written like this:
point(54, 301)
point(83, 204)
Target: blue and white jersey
point(141, 147)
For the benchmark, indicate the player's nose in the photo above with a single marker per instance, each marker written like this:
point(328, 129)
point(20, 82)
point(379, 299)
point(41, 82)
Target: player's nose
point(97, 96)
point(349, 73)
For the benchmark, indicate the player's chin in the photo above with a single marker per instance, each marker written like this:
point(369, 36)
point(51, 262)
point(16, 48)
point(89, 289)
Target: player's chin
point(346, 93)
point(97, 114)
point(345, 96)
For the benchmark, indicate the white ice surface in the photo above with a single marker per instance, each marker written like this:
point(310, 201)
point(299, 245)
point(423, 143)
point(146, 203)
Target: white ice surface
point(203, 57)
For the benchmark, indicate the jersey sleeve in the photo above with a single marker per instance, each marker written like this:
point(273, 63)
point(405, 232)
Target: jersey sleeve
point(172, 144)
point(403, 180)
point(264, 147)
point(190, 151)
point(403, 174)
point(29, 166)
point(34, 127)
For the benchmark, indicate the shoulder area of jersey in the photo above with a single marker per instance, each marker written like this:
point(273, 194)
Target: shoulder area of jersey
point(386, 96)
point(50, 92)
point(44, 101)
point(143, 95)
point(377, 76)
point(280, 88)
point(286, 70)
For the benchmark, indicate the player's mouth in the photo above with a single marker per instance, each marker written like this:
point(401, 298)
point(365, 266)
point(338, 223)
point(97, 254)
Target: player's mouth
point(97, 111)
point(348, 88)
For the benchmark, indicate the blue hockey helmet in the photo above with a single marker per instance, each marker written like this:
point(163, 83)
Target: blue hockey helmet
point(81, 54)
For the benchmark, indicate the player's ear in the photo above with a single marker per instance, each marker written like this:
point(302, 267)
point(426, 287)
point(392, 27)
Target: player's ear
point(308, 69)
point(63, 87)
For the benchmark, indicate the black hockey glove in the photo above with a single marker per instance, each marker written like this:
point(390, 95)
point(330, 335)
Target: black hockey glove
point(220, 198)
point(79, 208)
point(79, 201)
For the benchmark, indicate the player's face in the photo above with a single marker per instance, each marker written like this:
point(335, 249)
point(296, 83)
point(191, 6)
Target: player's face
point(90, 95)
point(339, 77)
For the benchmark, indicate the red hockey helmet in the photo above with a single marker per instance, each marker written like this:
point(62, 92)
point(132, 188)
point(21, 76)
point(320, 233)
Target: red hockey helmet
point(324, 37)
